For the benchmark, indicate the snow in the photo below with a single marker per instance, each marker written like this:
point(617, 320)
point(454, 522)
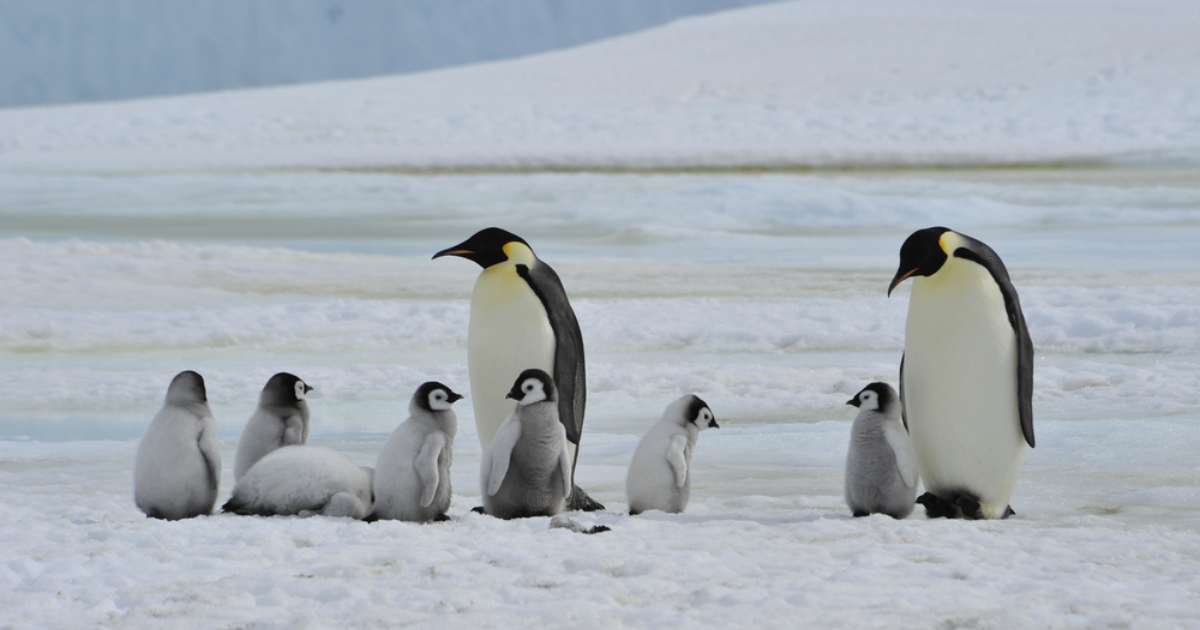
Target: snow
point(245, 233)
point(77, 50)
point(793, 84)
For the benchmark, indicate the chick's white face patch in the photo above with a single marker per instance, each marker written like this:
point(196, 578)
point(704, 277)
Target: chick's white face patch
point(301, 390)
point(439, 400)
point(533, 390)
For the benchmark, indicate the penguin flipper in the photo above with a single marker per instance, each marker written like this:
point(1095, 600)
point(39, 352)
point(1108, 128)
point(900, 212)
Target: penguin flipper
point(212, 457)
point(565, 463)
point(903, 411)
point(987, 257)
point(427, 466)
point(293, 432)
point(499, 452)
point(569, 375)
point(897, 440)
point(677, 460)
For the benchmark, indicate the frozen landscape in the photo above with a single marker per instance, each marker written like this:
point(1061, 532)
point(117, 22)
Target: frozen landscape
point(724, 198)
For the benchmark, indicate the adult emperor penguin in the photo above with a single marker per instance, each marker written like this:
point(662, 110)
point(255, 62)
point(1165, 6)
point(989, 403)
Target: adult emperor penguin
point(966, 377)
point(526, 470)
point(881, 469)
point(178, 467)
point(412, 474)
point(281, 419)
point(520, 319)
point(660, 475)
point(303, 481)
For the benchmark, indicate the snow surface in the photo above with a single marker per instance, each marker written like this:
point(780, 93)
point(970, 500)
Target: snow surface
point(128, 252)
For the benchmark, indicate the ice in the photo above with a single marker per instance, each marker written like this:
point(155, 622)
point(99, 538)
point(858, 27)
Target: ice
point(238, 248)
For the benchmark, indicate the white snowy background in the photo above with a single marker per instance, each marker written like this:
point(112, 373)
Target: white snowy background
point(724, 198)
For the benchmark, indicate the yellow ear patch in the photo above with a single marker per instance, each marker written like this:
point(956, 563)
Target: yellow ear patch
point(949, 242)
point(518, 253)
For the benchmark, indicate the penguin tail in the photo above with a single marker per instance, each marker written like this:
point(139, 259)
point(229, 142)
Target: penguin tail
point(236, 505)
point(580, 501)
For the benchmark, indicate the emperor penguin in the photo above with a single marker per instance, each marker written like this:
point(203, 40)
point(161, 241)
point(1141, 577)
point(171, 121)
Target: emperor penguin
point(966, 376)
point(520, 319)
point(881, 469)
point(178, 468)
point(660, 475)
point(412, 474)
point(526, 470)
point(303, 481)
point(281, 419)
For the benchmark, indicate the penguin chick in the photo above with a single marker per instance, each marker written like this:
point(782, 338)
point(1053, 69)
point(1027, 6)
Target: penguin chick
point(660, 475)
point(526, 470)
point(303, 481)
point(412, 474)
point(881, 470)
point(178, 468)
point(280, 420)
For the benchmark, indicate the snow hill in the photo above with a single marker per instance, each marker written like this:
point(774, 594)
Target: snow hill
point(57, 51)
point(795, 84)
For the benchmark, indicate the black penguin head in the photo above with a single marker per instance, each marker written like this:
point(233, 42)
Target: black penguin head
point(700, 415)
point(874, 397)
point(284, 390)
point(533, 386)
point(487, 247)
point(187, 388)
point(921, 254)
point(433, 396)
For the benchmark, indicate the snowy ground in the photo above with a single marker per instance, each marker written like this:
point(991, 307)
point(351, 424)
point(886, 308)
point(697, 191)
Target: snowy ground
point(127, 255)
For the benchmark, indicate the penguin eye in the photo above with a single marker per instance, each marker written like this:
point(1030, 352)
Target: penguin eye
point(528, 386)
point(439, 395)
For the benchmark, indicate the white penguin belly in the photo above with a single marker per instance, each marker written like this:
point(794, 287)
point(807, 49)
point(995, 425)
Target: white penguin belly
point(509, 333)
point(960, 386)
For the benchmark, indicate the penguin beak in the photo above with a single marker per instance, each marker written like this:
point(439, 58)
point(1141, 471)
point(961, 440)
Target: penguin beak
point(454, 251)
point(853, 401)
point(307, 388)
point(900, 277)
point(452, 397)
point(712, 424)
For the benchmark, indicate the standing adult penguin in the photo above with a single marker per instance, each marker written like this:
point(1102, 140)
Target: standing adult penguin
point(412, 474)
point(520, 319)
point(526, 470)
point(966, 377)
point(178, 467)
point(280, 420)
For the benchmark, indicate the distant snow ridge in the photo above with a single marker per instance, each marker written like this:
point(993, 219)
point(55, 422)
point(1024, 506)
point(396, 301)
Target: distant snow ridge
point(80, 50)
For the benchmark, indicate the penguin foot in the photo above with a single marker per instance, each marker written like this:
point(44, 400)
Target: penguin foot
point(970, 507)
point(1008, 511)
point(937, 507)
point(371, 518)
point(441, 518)
point(580, 501)
point(861, 513)
point(478, 509)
